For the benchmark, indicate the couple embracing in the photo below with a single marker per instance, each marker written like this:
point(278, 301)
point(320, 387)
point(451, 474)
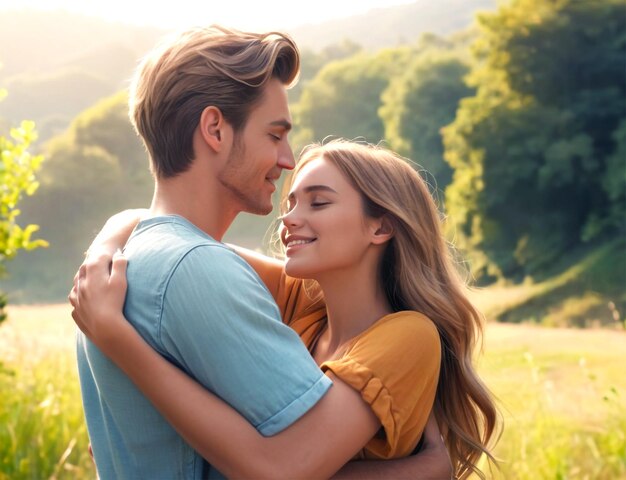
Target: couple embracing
point(351, 357)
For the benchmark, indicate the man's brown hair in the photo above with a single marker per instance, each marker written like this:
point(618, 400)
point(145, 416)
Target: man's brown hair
point(202, 67)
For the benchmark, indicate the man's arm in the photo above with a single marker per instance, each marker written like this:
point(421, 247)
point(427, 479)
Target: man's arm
point(431, 463)
point(271, 380)
point(269, 269)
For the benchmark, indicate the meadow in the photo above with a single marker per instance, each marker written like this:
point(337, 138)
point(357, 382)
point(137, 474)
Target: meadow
point(561, 393)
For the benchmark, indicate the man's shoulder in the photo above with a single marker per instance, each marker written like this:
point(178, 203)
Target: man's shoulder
point(161, 243)
point(171, 231)
point(169, 251)
point(175, 251)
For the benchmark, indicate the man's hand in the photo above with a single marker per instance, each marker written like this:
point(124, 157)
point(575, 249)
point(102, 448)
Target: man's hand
point(432, 462)
point(436, 450)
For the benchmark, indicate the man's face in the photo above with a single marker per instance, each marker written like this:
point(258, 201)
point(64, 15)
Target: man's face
point(260, 153)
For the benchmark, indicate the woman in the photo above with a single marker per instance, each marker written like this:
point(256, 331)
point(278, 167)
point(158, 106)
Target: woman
point(361, 223)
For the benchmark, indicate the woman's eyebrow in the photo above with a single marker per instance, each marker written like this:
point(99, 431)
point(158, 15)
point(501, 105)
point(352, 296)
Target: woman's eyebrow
point(313, 188)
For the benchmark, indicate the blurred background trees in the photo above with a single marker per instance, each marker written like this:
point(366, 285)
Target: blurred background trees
point(533, 150)
point(17, 179)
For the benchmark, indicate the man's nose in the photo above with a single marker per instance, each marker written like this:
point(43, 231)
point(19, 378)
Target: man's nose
point(286, 159)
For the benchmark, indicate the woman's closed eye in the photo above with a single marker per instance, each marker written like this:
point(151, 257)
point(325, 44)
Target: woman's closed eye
point(319, 203)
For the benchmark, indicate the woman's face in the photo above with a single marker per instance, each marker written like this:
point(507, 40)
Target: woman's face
point(325, 228)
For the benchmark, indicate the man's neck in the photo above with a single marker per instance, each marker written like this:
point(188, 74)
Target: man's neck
point(200, 203)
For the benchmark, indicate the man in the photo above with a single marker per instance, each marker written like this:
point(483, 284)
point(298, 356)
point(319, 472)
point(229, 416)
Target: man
point(211, 108)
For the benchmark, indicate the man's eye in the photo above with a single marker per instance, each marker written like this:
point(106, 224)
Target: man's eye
point(319, 204)
point(275, 137)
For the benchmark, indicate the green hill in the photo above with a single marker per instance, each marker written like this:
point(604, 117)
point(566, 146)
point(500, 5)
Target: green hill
point(587, 288)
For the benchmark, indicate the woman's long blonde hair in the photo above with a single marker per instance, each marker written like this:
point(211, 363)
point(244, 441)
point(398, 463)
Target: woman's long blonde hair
point(418, 273)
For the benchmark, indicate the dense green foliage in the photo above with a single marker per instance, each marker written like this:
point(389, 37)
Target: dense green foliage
point(343, 99)
point(538, 151)
point(402, 96)
point(17, 179)
point(312, 62)
point(422, 100)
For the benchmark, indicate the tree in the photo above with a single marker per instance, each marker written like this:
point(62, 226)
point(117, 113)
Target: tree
point(17, 178)
point(419, 103)
point(532, 150)
point(311, 62)
point(343, 99)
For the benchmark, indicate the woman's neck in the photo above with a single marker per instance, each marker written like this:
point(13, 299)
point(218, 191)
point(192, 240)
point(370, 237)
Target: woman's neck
point(354, 302)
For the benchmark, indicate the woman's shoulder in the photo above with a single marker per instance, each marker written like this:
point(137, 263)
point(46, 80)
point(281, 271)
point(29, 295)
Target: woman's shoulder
point(395, 366)
point(407, 324)
point(407, 337)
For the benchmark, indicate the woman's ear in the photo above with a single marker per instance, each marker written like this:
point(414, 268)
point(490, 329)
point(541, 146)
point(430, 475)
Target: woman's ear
point(212, 124)
point(382, 230)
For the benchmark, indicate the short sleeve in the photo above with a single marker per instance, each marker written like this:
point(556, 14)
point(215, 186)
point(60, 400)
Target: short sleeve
point(220, 324)
point(395, 366)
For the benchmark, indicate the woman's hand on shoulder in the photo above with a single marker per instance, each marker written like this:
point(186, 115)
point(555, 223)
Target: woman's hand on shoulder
point(98, 298)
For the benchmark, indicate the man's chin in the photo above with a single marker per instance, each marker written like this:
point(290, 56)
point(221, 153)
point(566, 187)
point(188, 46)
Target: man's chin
point(259, 209)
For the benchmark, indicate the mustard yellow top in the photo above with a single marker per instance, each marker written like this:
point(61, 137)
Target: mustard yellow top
point(394, 364)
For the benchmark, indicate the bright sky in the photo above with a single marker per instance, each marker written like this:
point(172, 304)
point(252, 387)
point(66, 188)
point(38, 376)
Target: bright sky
point(243, 14)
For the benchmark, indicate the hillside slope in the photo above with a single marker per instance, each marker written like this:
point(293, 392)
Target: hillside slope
point(588, 288)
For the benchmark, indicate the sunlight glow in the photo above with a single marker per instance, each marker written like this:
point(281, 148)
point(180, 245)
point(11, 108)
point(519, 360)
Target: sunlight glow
point(184, 13)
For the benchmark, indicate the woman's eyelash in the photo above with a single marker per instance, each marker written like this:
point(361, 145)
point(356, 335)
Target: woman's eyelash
point(319, 204)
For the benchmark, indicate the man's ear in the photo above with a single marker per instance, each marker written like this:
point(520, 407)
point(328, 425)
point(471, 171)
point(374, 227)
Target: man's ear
point(212, 124)
point(382, 230)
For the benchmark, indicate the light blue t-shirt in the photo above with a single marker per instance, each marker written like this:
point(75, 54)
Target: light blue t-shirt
point(203, 308)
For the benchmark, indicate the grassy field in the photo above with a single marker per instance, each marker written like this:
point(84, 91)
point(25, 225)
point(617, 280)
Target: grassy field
point(561, 392)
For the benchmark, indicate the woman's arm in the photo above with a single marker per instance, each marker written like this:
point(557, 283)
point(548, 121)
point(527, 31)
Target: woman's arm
point(116, 231)
point(316, 445)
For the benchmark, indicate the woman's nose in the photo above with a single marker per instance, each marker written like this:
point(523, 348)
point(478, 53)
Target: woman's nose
point(291, 218)
point(288, 219)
